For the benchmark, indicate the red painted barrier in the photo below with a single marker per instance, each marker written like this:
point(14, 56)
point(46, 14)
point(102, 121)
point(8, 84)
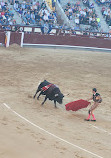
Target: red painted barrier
point(67, 40)
point(2, 38)
point(70, 40)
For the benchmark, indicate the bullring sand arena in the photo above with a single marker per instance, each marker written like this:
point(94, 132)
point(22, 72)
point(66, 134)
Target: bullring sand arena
point(29, 130)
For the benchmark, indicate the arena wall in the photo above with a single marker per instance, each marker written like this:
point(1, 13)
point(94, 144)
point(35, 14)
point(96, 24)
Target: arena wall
point(27, 38)
point(67, 40)
point(2, 38)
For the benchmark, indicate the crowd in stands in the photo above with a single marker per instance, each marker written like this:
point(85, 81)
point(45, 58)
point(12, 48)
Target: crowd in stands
point(106, 9)
point(31, 13)
point(85, 16)
point(34, 13)
point(6, 14)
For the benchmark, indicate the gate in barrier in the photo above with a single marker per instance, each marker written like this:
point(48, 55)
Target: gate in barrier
point(15, 37)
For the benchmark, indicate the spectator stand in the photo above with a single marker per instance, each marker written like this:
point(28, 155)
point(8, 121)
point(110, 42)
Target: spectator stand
point(92, 17)
point(82, 15)
point(105, 6)
point(34, 13)
point(6, 15)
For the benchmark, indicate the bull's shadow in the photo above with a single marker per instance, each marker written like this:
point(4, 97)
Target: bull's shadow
point(51, 92)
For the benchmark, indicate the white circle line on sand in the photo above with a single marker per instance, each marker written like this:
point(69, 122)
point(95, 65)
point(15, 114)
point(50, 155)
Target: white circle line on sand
point(53, 135)
point(99, 128)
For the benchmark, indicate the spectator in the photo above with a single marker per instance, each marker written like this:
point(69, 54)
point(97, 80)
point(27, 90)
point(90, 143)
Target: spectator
point(8, 28)
point(11, 12)
point(20, 12)
point(45, 17)
point(24, 17)
point(42, 25)
point(2, 4)
point(91, 5)
point(1, 21)
point(32, 18)
point(98, 21)
point(16, 6)
point(77, 20)
point(23, 5)
point(37, 16)
point(50, 27)
point(38, 5)
point(85, 2)
point(46, 27)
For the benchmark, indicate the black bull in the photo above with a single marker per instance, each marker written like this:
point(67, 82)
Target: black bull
point(51, 92)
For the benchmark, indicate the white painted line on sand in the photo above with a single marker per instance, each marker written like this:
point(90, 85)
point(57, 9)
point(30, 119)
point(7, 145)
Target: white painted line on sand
point(53, 135)
point(6, 106)
point(101, 129)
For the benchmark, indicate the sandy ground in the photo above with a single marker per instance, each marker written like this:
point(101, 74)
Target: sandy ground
point(76, 73)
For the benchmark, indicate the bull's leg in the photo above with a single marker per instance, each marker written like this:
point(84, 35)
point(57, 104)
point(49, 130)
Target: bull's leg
point(39, 95)
point(35, 93)
point(44, 100)
point(55, 103)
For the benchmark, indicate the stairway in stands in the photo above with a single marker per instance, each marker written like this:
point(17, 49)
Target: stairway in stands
point(104, 25)
point(16, 15)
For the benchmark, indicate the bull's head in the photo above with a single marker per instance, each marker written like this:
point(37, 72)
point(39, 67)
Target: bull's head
point(59, 98)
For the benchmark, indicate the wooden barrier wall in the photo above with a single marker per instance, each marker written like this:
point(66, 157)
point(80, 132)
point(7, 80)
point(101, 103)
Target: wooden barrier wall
point(35, 38)
point(67, 40)
point(2, 37)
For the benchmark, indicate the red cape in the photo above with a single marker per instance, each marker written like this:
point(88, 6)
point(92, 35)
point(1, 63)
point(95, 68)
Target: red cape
point(76, 105)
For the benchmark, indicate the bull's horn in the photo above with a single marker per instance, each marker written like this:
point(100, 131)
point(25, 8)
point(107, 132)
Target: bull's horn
point(66, 94)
